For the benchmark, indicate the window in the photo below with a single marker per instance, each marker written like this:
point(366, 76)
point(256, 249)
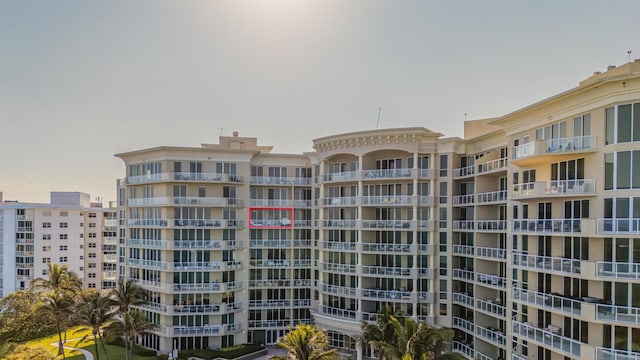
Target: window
point(92, 215)
point(92, 235)
point(46, 213)
point(46, 225)
point(64, 236)
point(92, 225)
point(92, 265)
point(46, 260)
point(622, 170)
point(622, 124)
point(92, 245)
point(444, 164)
point(64, 247)
point(64, 213)
point(92, 255)
point(63, 259)
point(81, 257)
point(91, 286)
point(64, 225)
point(46, 236)
point(46, 248)
point(92, 275)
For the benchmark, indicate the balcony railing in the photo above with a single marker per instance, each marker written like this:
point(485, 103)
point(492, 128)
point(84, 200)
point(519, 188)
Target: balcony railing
point(493, 165)
point(462, 349)
point(614, 354)
point(463, 324)
point(547, 263)
point(492, 253)
point(465, 250)
point(547, 338)
point(337, 312)
point(338, 223)
point(464, 171)
point(340, 290)
point(463, 274)
point(554, 188)
point(619, 226)
point(151, 201)
point(340, 176)
point(491, 306)
point(384, 248)
point(468, 199)
point(294, 203)
point(555, 146)
point(207, 177)
point(340, 268)
point(341, 201)
point(277, 180)
point(385, 270)
point(387, 224)
point(207, 201)
point(619, 270)
point(462, 298)
point(547, 226)
point(491, 197)
point(623, 314)
point(547, 301)
point(386, 174)
point(386, 294)
point(492, 335)
point(340, 246)
point(140, 179)
point(492, 280)
point(389, 200)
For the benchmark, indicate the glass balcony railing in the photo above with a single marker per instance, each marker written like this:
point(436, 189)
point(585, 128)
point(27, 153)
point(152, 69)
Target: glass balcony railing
point(614, 354)
point(619, 270)
point(463, 324)
point(386, 174)
point(548, 226)
point(555, 146)
point(278, 180)
point(548, 301)
point(493, 165)
point(491, 197)
point(388, 200)
point(547, 263)
point(554, 188)
point(492, 335)
point(621, 314)
point(464, 171)
point(341, 201)
point(549, 337)
point(619, 226)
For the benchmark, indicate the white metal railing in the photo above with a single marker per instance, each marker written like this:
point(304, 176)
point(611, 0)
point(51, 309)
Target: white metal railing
point(426, 249)
point(615, 354)
point(386, 270)
point(386, 294)
point(468, 250)
point(270, 283)
point(463, 324)
point(340, 290)
point(493, 253)
point(491, 306)
point(547, 337)
point(624, 270)
point(547, 225)
point(148, 222)
point(295, 203)
point(207, 177)
point(576, 143)
point(550, 263)
point(464, 199)
point(386, 173)
point(139, 179)
point(462, 348)
point(492, 335)
point(155, 201)
point(387, 200)
point(341, 268)
point(155, 264)
point(205, 244)
point(269, 303)
point(386, 248)
point(524, 150)
point(341, 201)
point(343, 246)
point(493, 165)
point(337, 312)
point(340, 176)
point(206, 201)
point(278, 180)
point(491, 225)
point(491, 197)
point(387, 224)
point(463, 274)
point(464, 171)
point(463, 225)
point(547, 301)
point(555, 188)
point(425, 173)
point(270, 263)
point(625, 314)
point(158, 244)
point(338, 223)
point(493, 280)
point(463, 299)
point(619, 226)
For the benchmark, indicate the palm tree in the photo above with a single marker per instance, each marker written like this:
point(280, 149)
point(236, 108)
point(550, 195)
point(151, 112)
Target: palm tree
point(94, 313)
point(128, 293)
point(59, 305)
point(410, 340)
point(305, 342)
point(59, 279)
point(131, 324)
point(381, 331)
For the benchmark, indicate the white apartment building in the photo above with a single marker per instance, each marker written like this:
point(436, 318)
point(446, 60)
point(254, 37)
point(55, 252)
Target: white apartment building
point(523, 236)
point(70, 230)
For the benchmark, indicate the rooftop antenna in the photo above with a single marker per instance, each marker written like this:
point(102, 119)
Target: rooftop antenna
point(629, 55)
point(378, 123)
point(465, 116)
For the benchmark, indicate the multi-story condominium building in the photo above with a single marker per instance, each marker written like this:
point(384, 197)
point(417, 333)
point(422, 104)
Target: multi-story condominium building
point(521, 236)
point(70, 231)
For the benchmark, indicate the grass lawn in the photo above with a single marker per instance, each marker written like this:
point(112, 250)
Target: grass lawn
point(76, 340)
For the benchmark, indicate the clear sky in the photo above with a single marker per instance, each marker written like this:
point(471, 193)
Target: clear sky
point(83, 80)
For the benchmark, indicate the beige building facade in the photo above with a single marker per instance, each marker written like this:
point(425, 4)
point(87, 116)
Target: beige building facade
point(520, 236)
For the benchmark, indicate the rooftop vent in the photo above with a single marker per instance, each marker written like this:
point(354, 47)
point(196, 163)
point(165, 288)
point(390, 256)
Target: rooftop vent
point(235, 134)
point(611, 67)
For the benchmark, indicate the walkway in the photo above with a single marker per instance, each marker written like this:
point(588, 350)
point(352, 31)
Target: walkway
point(87, 355)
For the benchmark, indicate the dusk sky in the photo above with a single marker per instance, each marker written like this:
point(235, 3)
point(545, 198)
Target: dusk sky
point(83, 80)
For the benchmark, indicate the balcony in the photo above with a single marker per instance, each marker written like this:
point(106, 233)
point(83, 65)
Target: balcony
point(341, 201)
point(491, 253)
point(464, 250)
point(339, 246)
point(492, 280)
point(629, 226)
point(619, 314)
point(171, 331)
point(277, 180)
point(463, 299)
point(464, 171)
point(340, 290)
point(338, 313)
point(151, 264)
point(618, 270)
point(491, 335)
point(270, 263)
point(614, 354)
point(346, 176)
point(385, 248)
point(538, 151)
point(338, 224)
point(554, 188)
point(386, 270)
point(463, 349)
point(491, 306)
point(285, 203)
point(339, 268)
point(388, 200)
point(110, 258)
point(270, 283)
point(110, 275)
point(269, 304)
point(378, 174)
point(205, 265)
point(548, 337)
point(214, 286)
point(558, 303)
point(378, 294)
point(269, 323)
point(464, 200)
point(150, 178)
point(386, 224)
point(463, 324)
point(492, 197)
point(207, 223)
point(151, 201)
point(207, 201)
point(461, 274)
point(492, 166)
point(547, 263)
point(148, 222)
point(549, 226)
point(208, 177)
point(480, 225)
point(206, 244)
